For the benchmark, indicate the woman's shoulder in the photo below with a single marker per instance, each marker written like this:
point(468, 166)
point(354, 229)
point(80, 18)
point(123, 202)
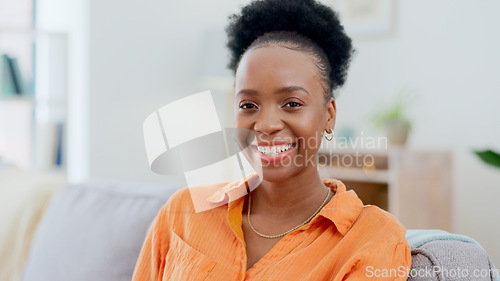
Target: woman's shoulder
point(179, 214)
point(178, 203)
point(179, 199)
point(380, 223)
point(182, 202)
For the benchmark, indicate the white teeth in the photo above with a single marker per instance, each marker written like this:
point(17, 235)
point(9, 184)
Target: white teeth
point(273, 150)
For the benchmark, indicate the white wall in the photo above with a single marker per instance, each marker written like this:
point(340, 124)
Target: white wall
point(72, 17)
point(445, 52)
point(145, 54)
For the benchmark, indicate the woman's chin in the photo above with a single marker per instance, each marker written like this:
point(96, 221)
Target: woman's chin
point(276, 173)
point(270, 176)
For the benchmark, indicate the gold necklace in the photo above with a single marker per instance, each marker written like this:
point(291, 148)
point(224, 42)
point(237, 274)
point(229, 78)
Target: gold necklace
point(283, 234)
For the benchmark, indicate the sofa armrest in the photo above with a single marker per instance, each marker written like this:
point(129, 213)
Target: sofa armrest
point(451, 260)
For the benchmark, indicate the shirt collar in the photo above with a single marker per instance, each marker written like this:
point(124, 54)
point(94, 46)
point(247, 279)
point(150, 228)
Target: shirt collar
point(343, 208)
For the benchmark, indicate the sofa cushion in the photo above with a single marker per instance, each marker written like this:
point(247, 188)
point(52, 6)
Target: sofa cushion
point(451, 260)
point(94, 232)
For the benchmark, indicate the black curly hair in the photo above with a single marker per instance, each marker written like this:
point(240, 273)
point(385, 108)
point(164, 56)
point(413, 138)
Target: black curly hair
point(303, 25)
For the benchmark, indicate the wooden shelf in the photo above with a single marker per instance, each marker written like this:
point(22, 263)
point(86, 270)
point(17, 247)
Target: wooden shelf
point(354, 174)
point(414, 186)
point(16, 98)
point(33, 129)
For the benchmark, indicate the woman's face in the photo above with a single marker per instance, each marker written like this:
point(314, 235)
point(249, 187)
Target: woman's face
point(279, 97)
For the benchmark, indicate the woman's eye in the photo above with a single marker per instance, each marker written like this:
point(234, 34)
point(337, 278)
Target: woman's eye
point(293, 104)
point(247, 106)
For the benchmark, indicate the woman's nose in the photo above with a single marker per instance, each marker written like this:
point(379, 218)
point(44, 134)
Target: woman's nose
point(268, 122)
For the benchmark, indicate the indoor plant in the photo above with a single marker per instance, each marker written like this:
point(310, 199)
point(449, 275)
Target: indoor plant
point(394, 120)
point(489, 157)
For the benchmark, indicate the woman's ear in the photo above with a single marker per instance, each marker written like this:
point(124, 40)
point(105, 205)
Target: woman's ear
point(331, 114)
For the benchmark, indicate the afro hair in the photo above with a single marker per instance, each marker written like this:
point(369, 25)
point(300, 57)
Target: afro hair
point(317, 22)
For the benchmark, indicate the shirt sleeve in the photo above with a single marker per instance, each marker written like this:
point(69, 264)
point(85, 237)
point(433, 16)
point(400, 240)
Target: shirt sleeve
point(385, 263)
point(151, 261)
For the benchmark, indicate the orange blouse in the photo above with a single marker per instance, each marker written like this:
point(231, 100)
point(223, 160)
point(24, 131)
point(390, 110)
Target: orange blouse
point(345, 241)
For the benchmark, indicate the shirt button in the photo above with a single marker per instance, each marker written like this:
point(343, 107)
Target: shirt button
point(241, 276)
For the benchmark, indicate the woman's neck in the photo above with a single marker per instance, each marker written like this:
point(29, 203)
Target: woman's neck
point(294, 197)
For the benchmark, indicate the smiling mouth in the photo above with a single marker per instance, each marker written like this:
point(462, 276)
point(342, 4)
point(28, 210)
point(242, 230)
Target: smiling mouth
point(274, 150)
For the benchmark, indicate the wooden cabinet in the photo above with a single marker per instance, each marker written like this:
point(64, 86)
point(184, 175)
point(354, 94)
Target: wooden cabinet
point(415, 186)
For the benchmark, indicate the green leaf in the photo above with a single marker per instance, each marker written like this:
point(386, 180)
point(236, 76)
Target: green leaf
point(489, 157)
point(393, 110)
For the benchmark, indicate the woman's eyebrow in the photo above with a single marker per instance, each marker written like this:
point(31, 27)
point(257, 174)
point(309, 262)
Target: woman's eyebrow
point(281, 90)
point(291, 89)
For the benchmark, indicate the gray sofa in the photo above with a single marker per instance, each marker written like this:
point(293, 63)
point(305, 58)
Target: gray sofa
point(95, 232)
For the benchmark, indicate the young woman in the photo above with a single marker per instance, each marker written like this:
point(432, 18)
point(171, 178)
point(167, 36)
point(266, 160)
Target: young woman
point(288, 57)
